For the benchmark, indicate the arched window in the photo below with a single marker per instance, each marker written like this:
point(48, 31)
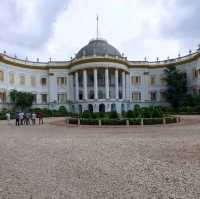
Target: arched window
point(102, 108)
point(90, 108)
point(80, 109)
point(122, 108)
point(113, 107)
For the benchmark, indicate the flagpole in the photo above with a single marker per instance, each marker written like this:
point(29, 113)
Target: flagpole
point(97, 26)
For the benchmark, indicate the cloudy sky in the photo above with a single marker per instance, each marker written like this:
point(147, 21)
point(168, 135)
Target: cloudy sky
point(138, 28)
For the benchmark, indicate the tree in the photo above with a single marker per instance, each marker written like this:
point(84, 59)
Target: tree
point(176, 86)
point(21, 100)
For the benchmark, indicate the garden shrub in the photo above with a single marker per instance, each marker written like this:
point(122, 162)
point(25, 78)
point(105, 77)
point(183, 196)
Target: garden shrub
point(86, 114)
point(156, 113)
point(113, 115)
point(89, 122)
point(146, 112)
point(113, 122)
point(152, 121)
point(130, 114)
point(62, 111)
point(73, 121)
point(170, 120)
point(136, 121)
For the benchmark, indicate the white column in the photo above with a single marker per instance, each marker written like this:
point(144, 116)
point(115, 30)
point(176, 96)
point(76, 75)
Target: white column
point(116, 84)
point(52, 87)
point(85, 84)
point(95, 84)
point(68, 87)
point(76, 86)
point(107, 83)
point(128, 85)
point(123, 85)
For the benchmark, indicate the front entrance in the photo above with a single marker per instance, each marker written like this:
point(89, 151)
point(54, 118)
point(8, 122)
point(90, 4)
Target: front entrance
point(90, 108)
point(102, 108)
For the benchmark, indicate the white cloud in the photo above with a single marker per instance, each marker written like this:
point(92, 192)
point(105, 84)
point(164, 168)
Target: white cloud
point(130, 25)
point(45, 29)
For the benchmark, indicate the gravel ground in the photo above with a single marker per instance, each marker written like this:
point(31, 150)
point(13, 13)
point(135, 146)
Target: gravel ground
point(52, 162)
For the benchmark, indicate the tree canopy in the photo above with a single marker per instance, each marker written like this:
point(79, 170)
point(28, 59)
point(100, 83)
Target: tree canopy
point(176, 86)
point(21, 100)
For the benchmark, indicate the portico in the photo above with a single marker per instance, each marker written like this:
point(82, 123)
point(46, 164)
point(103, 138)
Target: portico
point(100, 89)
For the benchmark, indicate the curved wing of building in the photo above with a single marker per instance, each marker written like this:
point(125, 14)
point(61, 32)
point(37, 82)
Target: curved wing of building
point(98, 79)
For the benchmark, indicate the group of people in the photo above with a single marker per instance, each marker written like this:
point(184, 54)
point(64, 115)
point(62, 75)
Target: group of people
point(26, 118)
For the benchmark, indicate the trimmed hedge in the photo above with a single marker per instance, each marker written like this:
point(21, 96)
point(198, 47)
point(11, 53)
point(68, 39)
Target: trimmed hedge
point(136, 121)
point(113, 122)
point(170, 120)
point(153, 121)
point(73, 121)
point(89, 122)
point(122, 122)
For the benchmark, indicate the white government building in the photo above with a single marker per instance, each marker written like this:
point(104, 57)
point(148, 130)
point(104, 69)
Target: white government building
point(98, 79)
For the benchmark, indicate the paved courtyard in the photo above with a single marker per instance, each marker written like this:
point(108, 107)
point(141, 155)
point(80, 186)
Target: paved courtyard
point(55, 162)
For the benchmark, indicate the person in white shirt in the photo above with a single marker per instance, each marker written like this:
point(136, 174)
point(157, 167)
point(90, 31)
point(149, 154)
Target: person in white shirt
point(8, 117)
point(33, 118)
point(21, 118)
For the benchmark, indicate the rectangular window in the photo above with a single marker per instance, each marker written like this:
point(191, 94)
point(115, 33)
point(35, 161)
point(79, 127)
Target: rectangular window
point(194, 74)
point(61, 81)
point(44, 98)
point(22, 80)
point(61, 98)
point(33, 81)
point(136, 80)
point(153, 96)
point(153, 80)
point(11, 78)
point(136, 96)
point(44, 81)
point(1, 76)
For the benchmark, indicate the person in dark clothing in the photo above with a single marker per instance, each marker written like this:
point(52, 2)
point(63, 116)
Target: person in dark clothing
point(40, 116)
point(17, 118)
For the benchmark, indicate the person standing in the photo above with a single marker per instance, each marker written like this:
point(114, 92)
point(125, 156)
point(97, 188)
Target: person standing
point(27, 118)
point(8, 117)
point(17, 118)
point(33, 118)
point(40, 116)
point(21, 118)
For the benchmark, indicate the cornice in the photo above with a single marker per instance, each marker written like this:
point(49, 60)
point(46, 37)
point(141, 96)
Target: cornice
point(166, 63)
point(69, 64)
point(98, 59)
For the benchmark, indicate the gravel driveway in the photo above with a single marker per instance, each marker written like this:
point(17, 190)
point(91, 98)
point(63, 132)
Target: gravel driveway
point(52, 162)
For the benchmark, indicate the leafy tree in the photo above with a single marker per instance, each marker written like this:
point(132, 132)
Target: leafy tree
point(21, 100)
point(176, 86)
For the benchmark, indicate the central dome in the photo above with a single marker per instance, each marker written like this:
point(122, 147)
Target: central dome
point(98, 47)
